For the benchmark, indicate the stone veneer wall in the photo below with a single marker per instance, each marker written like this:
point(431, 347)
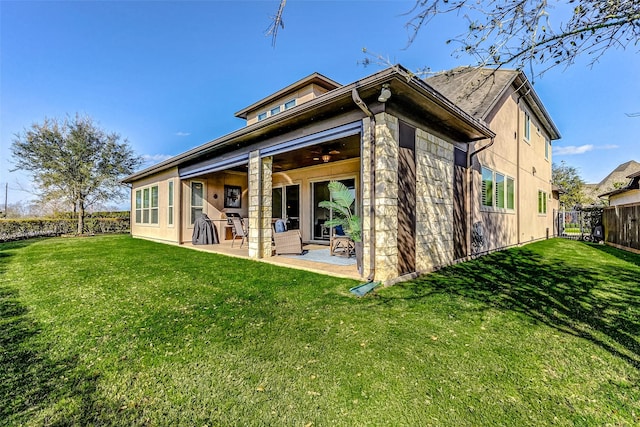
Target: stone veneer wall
point(386, 203)
point(434, 204)
point(260, 182)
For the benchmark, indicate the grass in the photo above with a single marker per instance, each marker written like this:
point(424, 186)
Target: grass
point(117, 331)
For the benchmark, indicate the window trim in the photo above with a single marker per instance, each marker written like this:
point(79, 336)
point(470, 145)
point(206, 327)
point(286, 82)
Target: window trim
point(170, 204)
point(280, 108)
point(542, 196)
point(547, 148)
point(487, 193)
point(527, 127)
point(494, 206)
point(144, 206)
point(277, 109)
point(192, 217)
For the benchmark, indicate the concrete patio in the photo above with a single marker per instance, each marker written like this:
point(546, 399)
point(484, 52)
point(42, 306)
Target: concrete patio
point(315, 259)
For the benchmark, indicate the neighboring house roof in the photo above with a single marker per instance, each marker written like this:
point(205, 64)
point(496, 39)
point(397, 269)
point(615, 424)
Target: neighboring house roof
point(405, 87)
point(480, 90)
point(621, 174)
point(315, 78)
point(633, 184)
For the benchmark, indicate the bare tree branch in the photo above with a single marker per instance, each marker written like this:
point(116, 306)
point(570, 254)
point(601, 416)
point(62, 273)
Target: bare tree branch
point(519, 32)
point(276, 23)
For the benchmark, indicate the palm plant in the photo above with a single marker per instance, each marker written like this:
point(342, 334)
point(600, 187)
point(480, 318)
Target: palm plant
point(341, 203)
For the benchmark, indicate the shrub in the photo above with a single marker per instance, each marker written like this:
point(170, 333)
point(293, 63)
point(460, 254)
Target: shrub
point(18, 229)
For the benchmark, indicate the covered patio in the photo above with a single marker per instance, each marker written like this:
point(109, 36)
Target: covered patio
point(395, 154)
point(316, 258)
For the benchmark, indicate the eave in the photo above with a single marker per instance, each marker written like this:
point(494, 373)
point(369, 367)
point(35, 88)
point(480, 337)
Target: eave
point(315, 78)
point(405, 87)
point(525, 89)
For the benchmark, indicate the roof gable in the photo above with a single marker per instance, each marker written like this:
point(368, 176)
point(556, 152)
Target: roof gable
point(475, 90)
point(479, 91)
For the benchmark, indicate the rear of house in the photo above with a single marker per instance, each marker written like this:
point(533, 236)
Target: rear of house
point(435, 179)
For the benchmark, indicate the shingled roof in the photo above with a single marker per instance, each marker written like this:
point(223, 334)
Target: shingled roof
point(475, 90)
point(479, 90)
point(620, 174)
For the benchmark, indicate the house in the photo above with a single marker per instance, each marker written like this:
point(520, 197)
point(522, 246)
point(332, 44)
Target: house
point(512, 199)
point(616, 179)
point(402, 144)
point(628, 194)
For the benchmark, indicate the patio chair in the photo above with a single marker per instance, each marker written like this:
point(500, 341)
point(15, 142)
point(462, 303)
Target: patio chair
point(238, 231)
point(341, 243)
point(287, 242)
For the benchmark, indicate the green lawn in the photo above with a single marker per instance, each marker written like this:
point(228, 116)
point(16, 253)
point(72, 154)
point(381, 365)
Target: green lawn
point(117, 331)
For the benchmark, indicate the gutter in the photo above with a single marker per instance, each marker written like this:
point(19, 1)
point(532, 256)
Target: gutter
point(372, 184)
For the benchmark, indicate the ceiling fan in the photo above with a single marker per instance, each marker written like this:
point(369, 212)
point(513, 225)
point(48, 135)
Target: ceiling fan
point(323, 153)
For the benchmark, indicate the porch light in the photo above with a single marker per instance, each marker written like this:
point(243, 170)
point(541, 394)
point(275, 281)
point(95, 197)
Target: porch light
point(385, 93)
point(326, 158)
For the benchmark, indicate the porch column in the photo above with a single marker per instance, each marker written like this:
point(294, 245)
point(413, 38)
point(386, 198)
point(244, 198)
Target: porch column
point(386, 197)
point(260, 182)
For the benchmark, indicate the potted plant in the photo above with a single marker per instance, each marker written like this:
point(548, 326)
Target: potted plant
point(341, 203)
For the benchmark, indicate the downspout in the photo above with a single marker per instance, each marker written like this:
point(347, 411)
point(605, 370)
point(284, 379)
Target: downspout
point(372, 184)
point(470, 191)
point(518, 211)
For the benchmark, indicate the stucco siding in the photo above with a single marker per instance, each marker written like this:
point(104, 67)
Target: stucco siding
point(629, 196)
point(161, 230)
point(523, 160)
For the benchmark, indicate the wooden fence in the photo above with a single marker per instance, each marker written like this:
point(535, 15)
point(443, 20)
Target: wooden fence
point(622, 226)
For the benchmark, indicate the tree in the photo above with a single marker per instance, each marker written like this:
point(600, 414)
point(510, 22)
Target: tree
point(520, 32)
point(567, 178)
point(74, 161)
point(342, 200)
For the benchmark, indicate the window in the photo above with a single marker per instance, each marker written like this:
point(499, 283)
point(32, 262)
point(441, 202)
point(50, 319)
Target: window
point(138, 206)
point(547, 144)
point(274, 110)
point(499, 183)
point(197, 200)
point(170, 203)
point(498, 190)
point(154, 205)
point(527, 127)
point(542, 202)
point(289, 104)
point(511, 193)
point(147, 205)
point(487, 187)
point(262, 116)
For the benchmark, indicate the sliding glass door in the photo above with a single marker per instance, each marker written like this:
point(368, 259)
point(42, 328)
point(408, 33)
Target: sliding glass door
point(320, 215)
point(286, 205)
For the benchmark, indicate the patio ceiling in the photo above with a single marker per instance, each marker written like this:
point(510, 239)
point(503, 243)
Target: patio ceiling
point(341, 149)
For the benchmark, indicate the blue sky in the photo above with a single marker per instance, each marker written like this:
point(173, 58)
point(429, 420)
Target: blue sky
point(169, 76)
